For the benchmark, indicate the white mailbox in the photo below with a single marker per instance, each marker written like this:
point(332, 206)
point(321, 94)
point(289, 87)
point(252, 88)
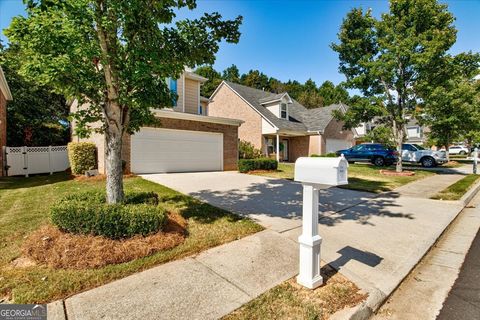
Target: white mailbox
point(317, 170)
point(313, 173)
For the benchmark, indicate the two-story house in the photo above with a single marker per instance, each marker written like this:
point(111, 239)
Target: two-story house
point(278, 125)
point(187, 138)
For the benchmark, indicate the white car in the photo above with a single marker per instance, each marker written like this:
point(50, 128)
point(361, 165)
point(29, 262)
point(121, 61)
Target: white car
point(458, 150)
point(415, 153)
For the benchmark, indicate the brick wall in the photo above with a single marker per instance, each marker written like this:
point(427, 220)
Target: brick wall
point(334, 130)
point(227, 104)
point(299, 147)
point(3, 129)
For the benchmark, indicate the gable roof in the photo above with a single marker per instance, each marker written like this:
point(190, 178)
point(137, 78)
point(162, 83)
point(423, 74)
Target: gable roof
point(300, 118)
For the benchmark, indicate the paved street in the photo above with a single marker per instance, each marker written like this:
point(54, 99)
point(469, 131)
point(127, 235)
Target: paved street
point(463, 301)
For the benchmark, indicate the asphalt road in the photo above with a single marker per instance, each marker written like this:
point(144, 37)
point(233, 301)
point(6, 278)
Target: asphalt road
point(463, 301)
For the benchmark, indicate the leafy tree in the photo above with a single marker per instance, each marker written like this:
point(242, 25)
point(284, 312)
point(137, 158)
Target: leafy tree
point(231, 74)
point(294, 88)
point(115, 56)
point(275, 85)
point(255, 79)
point(333, 94)
point(311, 99)
point(310, 85)
point(450, 100)
point(387, 58)
point(36, 116)
point(381, 134)
point(214, 79)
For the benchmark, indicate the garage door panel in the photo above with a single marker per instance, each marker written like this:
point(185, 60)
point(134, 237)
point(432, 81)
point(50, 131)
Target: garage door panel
point(166, 150)
point(334, 145)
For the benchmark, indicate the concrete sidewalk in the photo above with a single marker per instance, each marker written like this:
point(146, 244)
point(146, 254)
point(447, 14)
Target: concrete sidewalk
point(373, 240)
point(206, 286)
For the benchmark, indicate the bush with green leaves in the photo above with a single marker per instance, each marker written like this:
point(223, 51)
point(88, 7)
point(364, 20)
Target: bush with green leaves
point(330, 154)
point(246, 150)
point(82, 156)
point(246, 165)
point(88, 213)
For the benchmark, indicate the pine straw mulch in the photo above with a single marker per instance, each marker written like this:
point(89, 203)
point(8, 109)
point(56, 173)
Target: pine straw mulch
point(290, 300)
point(100, 177)
point(404, 173)
point(54, 248)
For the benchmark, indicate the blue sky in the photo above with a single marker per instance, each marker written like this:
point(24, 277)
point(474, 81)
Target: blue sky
point(290, 39)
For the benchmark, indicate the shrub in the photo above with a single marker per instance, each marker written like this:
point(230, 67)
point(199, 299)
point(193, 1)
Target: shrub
point(247, 150)
point(245, 165)
point(330, 154)
point(82, 156)
point(87, 213)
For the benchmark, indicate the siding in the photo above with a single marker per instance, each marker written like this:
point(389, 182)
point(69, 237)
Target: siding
point(227, 104)
point(191, 96)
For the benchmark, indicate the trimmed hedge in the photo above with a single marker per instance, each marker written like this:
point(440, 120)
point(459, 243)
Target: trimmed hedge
point(245, 165)
point(82, 156)
point(330, 154)
point(87, 213)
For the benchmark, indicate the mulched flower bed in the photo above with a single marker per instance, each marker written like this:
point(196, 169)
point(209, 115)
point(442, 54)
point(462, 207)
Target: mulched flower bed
point(395, 173)
point(56, 249)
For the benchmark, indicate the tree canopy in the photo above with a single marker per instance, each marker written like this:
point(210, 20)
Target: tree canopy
point(36, 116)
point(115, 56)
point(390, 58)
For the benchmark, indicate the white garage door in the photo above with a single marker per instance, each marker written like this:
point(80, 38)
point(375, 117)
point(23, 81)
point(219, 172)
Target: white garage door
point(337, 144)
point(166, 150)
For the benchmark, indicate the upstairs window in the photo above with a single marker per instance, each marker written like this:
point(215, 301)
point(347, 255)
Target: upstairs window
point(283, 111)
point(172, 85)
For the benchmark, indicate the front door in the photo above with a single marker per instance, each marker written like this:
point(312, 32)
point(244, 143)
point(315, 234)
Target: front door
point(285, 150)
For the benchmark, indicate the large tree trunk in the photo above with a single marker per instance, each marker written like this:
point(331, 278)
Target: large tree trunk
point(398, 136)
point(113, 153)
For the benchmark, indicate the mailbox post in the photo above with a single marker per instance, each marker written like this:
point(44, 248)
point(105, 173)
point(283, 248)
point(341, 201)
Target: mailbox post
point(315, 174)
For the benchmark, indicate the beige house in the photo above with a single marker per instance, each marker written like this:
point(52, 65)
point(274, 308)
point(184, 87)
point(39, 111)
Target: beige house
point(5, 95)
point(188, 139)
point(278, 125)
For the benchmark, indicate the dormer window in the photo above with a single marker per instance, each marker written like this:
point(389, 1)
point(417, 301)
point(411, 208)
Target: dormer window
point(283, 110)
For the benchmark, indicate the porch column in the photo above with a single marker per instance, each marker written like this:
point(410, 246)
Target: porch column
point(278, 148)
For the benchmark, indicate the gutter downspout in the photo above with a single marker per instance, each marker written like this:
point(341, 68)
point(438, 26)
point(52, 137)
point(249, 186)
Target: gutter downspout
point(277, 153)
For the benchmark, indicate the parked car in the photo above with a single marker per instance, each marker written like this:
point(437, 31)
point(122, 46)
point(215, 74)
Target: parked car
point(375, 153)
point(415, 153)
point(458, 150)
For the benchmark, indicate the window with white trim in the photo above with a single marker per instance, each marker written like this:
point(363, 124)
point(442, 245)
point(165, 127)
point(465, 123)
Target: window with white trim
point(283, 111)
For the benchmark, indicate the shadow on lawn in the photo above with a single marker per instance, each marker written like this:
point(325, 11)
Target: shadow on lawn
point(281, 198)
point(200, 211)
point(38, 180)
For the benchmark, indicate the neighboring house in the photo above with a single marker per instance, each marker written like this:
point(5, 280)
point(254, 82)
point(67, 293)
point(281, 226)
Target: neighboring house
point(278, 125)
point(186, 140)
point(415, 133)
point(5, 95)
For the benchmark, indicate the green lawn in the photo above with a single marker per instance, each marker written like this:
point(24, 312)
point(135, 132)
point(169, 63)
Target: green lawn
point(360, 177)
point(25, 204)
point(458, 189)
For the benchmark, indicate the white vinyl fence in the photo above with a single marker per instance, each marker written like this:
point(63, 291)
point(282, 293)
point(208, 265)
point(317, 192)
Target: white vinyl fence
point(32, 160)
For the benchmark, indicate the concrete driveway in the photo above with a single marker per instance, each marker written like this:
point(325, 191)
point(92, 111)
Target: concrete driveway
point(274, 203)
point(375, 240)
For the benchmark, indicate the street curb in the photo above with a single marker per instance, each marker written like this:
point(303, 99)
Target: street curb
point(377, 298)
point(468, 196)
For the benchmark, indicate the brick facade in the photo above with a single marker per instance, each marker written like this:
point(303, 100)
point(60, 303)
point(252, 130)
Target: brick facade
point(228, 104)
point(230, 140)
point(3, 129)
point(334, 130)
